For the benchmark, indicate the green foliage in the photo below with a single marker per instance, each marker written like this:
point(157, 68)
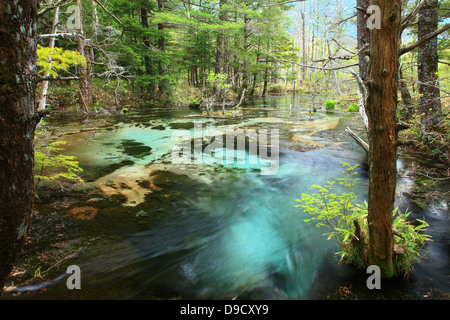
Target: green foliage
point(219, 80)
point(353, 107)
point(195, 102)
point(277, 88)
point(409, 237)
point(37, 273)
point(332, 210)
point(346, 221)
point(330, 104)
point(51, 165)
point(57, 59)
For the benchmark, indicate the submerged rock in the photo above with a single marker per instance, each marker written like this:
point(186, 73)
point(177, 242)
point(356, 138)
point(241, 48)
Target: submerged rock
point(135, 149)
point(84, 213)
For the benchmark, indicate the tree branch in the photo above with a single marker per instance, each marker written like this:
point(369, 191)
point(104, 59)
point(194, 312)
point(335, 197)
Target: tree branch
point(62, 35)
point(406, 21)
point(427, 38)
point(108, 12)
point(40, 79)
point(52, 6)
point(318, 68)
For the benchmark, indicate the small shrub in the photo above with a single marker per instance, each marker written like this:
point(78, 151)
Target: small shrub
point(277, 88)
point(353, 108)
point(347, 222)
point(195, 102)
point(330, 104)
point(50, 165)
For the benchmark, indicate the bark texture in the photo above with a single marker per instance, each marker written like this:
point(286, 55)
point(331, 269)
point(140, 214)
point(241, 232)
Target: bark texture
point(84, 70)
point(430, 100)
point(219, 50)
point(146, 40)
point(381, 107)
point(18, 120)
point(363, 36)
point(162, 87)
point(406, 97)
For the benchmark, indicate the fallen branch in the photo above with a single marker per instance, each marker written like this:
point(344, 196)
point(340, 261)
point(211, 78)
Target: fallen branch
point(61, 35)
point(358, 140)
point(39, 79)
point(242, 99)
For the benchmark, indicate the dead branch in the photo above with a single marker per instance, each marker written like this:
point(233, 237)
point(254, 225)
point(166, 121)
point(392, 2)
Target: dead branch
point(242, 99)
point(427, 38)
point(358, 140)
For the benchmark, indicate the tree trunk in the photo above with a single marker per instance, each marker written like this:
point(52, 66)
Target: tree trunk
point(219, 49)
point(146, 41)
point(51, 45)
point(304, 70)
point(219, 53)
point(162, 88)
point(406, 97)
point(83, 71)
point(246, 48)
point(266, 75)
point(363, 37)
point(381, 107)
point(430, 100)
point(18, 119)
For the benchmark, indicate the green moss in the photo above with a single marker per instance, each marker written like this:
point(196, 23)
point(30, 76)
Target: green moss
point(135, 149)
point(92, 174)
point(186, 126)
point(160, 127)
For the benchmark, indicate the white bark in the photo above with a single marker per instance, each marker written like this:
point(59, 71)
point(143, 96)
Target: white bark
point(44, 90)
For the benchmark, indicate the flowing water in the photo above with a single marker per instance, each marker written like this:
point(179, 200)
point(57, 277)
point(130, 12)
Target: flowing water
point(237, 233)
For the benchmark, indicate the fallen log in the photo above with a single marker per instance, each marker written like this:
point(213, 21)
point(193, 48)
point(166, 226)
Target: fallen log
point(358, 140)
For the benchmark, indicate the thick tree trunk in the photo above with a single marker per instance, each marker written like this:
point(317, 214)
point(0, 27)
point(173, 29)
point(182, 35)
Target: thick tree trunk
point(381, 107)
point(430, 100)
point(18, 120)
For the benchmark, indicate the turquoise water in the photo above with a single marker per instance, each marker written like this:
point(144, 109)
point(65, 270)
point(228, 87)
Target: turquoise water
point(242, 237)
point(241, 234)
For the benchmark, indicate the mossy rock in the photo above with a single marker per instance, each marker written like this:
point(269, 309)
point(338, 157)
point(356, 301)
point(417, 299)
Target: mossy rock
point(135, 149)
point(92, 174)
point(176, 182)
point(182, 125)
